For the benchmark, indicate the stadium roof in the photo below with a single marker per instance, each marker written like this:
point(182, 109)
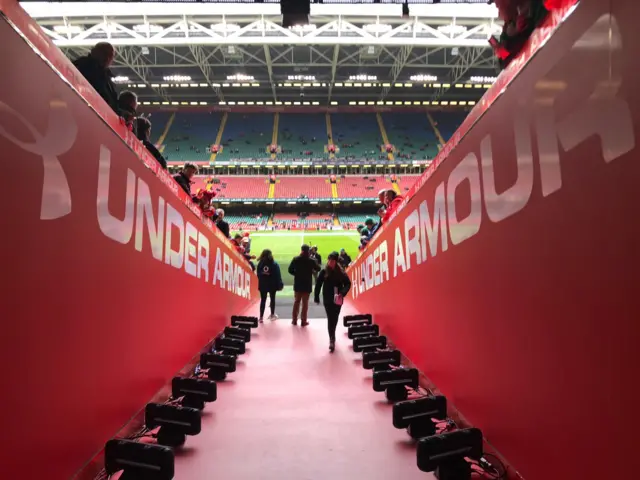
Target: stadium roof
point(217, 53)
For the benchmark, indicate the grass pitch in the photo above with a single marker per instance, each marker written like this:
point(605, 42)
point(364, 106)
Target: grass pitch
point(286, 244)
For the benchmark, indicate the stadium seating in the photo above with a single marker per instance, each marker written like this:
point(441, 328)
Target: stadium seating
point(357, 134)
point(158, 123)
point(295, 186)
point(355, 186)
point(448, 122)
point(246, 222)
point(411, 134)
point(406, 181)
point(293, 220)
point(236, 186)
point(302, 135)
point(191, 136)
point(246, 136)
point(355, 218)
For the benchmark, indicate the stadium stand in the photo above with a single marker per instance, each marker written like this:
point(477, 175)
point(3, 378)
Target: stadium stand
point(354, 186)
point(159, 122)
point(448, 122)
point(354, 218)
point(411, 135)
point(191, 136)
point(302, 135)
point(311, 220)
point(246, 136)
point(357, 135)
point(406, 181)
point(246, 222)
point(236, 186)
point(295, 186)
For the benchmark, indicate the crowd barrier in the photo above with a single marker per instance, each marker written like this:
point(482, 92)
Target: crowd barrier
point(511, 267)
point(112, 280)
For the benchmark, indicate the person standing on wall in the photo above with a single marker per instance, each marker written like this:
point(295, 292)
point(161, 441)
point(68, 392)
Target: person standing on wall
point(334, 284)
point(95, 69)
point(269, 282)
point(185, 176)
point(221, 223)
point(143, 132)
point(344, 259)
point(302, 268)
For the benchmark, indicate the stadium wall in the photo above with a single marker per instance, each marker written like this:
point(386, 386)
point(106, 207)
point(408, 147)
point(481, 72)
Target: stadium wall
point(511, 266)
point(113, 283)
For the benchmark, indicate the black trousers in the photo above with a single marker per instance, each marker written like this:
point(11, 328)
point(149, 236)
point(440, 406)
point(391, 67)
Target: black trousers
point(333, 312)
point(263, 302)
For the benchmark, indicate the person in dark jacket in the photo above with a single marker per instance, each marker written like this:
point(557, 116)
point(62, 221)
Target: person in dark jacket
point(128, 109)
point(314, 255)
point(184, 177)
point(222, 225)
point(344, 260)
point(303, 269)
point(95, 69)
point(334, 284)
point(143, 132)
point(269, 282)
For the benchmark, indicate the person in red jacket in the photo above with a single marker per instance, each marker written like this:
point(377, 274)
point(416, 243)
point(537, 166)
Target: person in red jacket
point(392, 201)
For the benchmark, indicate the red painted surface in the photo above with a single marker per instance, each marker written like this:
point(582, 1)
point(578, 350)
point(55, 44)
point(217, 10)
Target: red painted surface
point(528, 319)
point(295, 411)
point(95, 317)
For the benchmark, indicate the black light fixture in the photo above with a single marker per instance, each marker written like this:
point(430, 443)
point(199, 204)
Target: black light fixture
point(369, 344)
point(239, 333)
point(195, 392)
point(175, 422)
point(295, 12)
point(361, 319)
point(416, 415)
point(244, 321)
point(395, 382)
point(382, 360)
point(229, 345)
point(138, 460)
point(218, 365)
point(363, 331)
point(445, 454)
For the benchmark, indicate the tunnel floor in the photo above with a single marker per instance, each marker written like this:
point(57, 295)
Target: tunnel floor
point(292, 410)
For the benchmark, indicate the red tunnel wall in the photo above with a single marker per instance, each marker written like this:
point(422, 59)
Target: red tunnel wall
point(528, 319)
point(96, 317)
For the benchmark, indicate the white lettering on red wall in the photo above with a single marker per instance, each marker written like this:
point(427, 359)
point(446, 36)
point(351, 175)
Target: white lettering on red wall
point(428, 228)
point(172, 240)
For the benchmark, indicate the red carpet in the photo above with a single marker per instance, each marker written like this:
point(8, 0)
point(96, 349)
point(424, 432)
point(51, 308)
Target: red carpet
point(295, 411)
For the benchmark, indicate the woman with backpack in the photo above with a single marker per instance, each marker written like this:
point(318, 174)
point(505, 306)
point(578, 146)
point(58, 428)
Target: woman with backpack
point(269, 282)
point(335, 284)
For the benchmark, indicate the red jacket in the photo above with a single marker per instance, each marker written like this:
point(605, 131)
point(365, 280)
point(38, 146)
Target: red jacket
point(393, 206)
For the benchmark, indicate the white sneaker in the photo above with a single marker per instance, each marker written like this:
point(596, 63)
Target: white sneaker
point(273, 317)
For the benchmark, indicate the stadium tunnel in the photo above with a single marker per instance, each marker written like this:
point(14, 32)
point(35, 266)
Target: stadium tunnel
point(510, 265)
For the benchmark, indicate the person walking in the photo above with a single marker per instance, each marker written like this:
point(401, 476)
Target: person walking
point(303, 269)
point(334, 284)
point(345, 259)
point(269, 282)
